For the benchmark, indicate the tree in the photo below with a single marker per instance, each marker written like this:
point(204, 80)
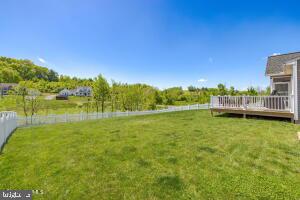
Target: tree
point(100, 92)
point(52, 76)
point(222, 89)
point(232, 91)
point(87, 106)
point(29, 98)
point(172, 94)
point(8, 75)
point(22, 91)
point(33, 101)
point(113, 95)
point(251, 91)
point(15, 70)
point(192, 88)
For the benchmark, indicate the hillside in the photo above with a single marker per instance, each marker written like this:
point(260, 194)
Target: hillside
point(14, 70)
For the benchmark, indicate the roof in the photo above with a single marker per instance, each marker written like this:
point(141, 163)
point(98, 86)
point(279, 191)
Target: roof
point(64, 90)
point(83, 88)
point(7, 85)
point(275, 64)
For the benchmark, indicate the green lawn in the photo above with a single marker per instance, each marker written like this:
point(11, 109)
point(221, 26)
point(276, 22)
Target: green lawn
point(72, 105)
point(182, 155)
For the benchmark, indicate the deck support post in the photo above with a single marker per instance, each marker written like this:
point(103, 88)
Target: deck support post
point(244, 115)
point(212, 113)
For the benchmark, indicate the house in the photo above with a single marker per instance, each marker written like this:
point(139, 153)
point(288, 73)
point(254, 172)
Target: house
point(83, 91)
point(79, 91)
point(65, 92)
point(5, 87)
point(284, 101)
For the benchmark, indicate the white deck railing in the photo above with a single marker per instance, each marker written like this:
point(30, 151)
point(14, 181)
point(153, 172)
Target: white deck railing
point(262, 103)
point(8, 123)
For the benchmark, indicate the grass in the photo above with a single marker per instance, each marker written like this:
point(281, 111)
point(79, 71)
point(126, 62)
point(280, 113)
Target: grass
point(182, 155)
point(72, 105)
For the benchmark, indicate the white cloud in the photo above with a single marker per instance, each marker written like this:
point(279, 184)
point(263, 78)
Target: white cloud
point(202, 80)
point(275, 54)
point(210, 59)
point(42, 60)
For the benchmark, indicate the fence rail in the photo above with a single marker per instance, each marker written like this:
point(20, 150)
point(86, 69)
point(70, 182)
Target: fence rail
point(267, 103)
point(52, 119)
point(8, 123)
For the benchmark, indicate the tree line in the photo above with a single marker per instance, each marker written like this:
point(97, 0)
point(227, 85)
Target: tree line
point(115, 96)
point(34, 80)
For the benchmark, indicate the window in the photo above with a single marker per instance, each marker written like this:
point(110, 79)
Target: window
point(282, 88)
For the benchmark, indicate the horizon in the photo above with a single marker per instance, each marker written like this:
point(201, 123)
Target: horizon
point(159, 43)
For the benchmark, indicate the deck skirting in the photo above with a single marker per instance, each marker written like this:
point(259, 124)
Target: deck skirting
point(269, 113)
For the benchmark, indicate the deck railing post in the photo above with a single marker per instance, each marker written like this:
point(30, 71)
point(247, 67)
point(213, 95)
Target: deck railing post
point(244, 102)
point(291, 103)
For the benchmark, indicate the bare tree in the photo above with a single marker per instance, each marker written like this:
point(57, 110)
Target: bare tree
point(33, 102)
point(22, 91)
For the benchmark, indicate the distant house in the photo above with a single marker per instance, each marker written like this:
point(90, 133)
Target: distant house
point(5, 87)
point(83, 91)
point(65, 92)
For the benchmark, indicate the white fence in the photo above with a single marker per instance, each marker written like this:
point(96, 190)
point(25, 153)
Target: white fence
point(8, 123)
point(271, 103)
point(52, 119)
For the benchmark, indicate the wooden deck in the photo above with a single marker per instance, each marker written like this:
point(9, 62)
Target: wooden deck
point(269, 113)
point(271, 106)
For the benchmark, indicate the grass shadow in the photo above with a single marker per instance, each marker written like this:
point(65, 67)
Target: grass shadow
point(257, 117)
point(171, 182)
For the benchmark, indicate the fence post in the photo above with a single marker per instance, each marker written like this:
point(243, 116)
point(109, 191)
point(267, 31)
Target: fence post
point(8, 123)
point(54, 118)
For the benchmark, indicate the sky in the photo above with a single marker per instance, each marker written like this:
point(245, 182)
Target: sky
point(163, 43)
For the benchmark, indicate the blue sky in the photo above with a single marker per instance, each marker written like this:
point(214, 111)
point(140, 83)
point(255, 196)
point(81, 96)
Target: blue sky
point(160, 42)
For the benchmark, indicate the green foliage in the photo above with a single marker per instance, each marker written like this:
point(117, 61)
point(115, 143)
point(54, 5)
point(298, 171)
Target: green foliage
point(117, 96)
point(9, 75)
point(180, 155)
point(134, 96)
point(172, 94)
point(45, 80)
point(100, 91)
point(29, 98)
point(251, 91)
point(15, 70)
point(222, 89)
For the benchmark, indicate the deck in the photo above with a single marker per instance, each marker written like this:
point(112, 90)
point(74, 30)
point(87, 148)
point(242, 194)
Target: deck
point(272, 106)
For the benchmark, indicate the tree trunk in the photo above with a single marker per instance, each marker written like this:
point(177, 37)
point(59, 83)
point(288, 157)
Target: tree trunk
point(97, 107)
point(102, 106)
